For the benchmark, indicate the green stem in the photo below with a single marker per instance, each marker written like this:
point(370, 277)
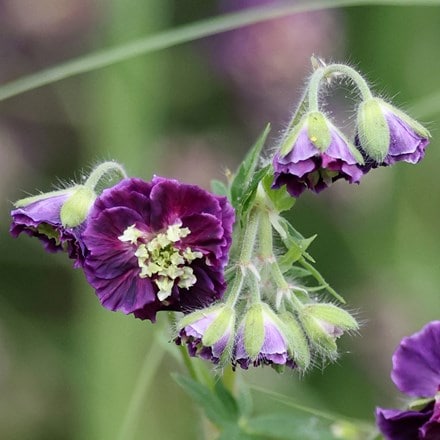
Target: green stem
point(318, 277)
point(103, 169)
point(247, 241)
point(148, 371)
point(322, 72)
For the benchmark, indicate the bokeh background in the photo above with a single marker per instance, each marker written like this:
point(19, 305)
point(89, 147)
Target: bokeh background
point(67, 366)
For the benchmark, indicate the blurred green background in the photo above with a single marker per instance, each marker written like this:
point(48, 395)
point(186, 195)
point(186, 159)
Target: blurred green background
point(68, 367)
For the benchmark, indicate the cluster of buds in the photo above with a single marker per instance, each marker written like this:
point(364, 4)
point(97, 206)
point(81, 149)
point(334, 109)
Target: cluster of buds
point(314, 152)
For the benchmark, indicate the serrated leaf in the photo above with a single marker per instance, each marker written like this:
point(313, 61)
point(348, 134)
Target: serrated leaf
point(247, 169)
point(285, 426)
point(219, 188)
point(214, 408)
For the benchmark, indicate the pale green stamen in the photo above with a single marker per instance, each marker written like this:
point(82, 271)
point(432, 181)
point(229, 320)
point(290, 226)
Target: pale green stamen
point(161, 260)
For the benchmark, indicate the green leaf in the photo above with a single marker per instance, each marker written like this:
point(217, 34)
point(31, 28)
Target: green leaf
point(249, 193)
point(235, 432)
point(218, 411)
point(289, 427)
point(281, 199)
point(245, 173)
point(218, 187)
point(244, 399)
point(227, 399)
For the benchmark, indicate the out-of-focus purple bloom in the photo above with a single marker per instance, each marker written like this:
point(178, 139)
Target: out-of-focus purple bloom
point(416, 372)
point(159, 245)
point(305, 165)
point(261, 340)
point(384, 128)
point(40, 217)
point(266, 62)
point(208, 333)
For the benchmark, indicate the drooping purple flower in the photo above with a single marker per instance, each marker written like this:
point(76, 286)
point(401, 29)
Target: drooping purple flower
point(208, 333)
point(314, 159)
point(388, 135)
point(261, 340)
point(159, 245)
point(40, 217)
point(416, 372)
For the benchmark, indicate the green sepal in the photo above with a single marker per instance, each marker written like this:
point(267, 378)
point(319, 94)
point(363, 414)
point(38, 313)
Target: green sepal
point(419, 404)
point(291, 137)
point(254, 330)
point(318, 337)
point(295, 251)
point(197, 315)
point(373, 130)
point(43, 196)
point(296, 340)
point(219, 326)
point(76, 208)
point(333, 315)
point(318, 130)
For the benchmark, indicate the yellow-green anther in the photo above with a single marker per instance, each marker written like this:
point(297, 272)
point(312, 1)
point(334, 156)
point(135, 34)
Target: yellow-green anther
point(160, 260)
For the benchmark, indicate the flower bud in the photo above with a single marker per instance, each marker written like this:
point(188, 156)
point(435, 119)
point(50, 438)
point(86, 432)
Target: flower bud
point(41, 216)
point(388, 135)
point(313, 155)
point(262, 339)
point(208, 333)
point(323, 324)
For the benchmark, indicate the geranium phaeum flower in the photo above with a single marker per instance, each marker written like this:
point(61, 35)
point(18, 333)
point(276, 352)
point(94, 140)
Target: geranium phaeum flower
point(157, 245)
point(416, 372)
point(40, 217)
point(305, 161)
point(382, 127)
point(262, 325)
point(208, 333)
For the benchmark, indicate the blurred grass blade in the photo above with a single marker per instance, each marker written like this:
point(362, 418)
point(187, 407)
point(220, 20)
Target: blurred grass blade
point(179, 35)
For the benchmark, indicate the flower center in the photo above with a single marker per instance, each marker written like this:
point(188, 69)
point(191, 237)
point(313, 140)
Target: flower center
point(160, 259)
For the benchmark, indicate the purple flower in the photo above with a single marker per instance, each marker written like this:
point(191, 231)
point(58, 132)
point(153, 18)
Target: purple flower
point(388, 135)
point(314, 157)
point(416, 372)
point(208, 333)
point(40, 217)
point(261, 340)
point(159, 245)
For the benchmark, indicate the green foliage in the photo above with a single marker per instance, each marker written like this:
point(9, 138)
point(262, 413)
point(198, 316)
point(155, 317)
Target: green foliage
point(280, 198)
point(219, 188)
point(246, 179)
point(289, 427)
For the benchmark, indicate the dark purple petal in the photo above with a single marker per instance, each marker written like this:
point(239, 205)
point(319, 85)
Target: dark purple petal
point(431, 429)
point(416, 362)
point(114, 270)
point(402, 425)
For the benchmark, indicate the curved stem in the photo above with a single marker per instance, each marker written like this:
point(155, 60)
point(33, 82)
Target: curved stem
point(148, 370)
point(323, 72)
point(103, 169)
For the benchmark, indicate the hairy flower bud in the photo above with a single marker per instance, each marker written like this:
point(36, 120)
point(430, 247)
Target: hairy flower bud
point(208, 333)
point(388, 135)
point(323, 324)
point(313, 155)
